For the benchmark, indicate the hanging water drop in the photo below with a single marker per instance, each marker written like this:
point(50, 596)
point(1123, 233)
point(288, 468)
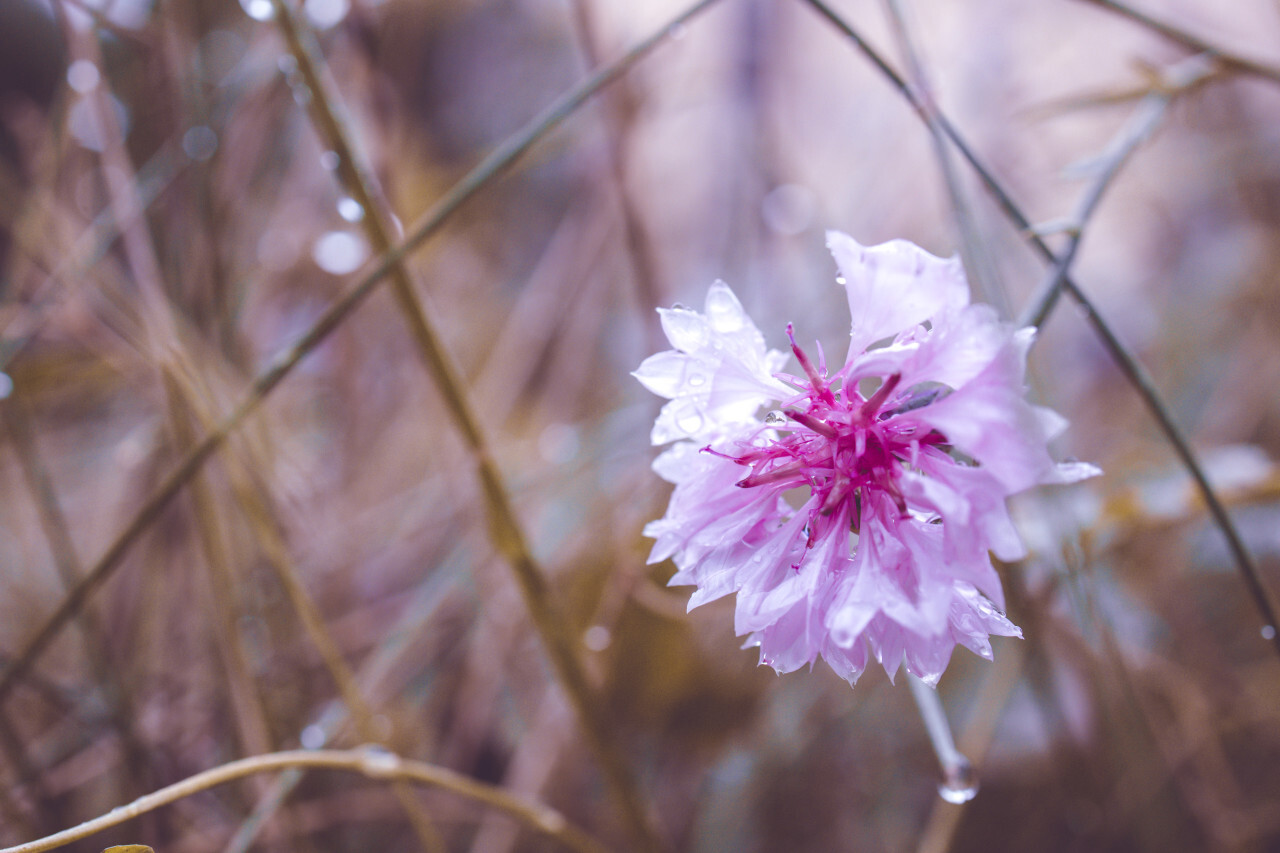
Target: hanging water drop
point(959, 783)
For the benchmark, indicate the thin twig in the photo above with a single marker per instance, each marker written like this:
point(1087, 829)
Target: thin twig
point(1141, 124)
point(497, 162)
point(373, 762)
point(394, 644)
point(1125, 361)
point(1191, 42)
point(982, 269)
point(618, 115)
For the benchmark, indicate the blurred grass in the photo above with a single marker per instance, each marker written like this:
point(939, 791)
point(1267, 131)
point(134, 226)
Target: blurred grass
point(1141, 710)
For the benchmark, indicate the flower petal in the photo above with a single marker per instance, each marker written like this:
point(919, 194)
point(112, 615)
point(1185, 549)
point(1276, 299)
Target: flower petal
point(719, 374)
point(894, 287)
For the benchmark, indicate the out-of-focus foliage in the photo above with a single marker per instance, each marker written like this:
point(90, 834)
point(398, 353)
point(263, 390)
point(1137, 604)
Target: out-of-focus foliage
point(171, 221)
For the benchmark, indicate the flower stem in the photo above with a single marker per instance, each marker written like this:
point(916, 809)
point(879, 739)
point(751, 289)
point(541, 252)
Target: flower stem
point(958, 783)
point(372, 762)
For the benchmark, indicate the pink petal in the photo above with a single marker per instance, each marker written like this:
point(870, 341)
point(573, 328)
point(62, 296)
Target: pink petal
point(894, 286)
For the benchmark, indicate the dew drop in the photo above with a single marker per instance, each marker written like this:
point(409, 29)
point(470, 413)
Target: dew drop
point(597, 638)
point(259, 10)
point(552, 822)
point(377, 761)
point(330, 160)
point(200, 142)
point(6, 386)
point(326, 13)
point(775, 418)
point(696, 380)
point(339, 253)
point(350, 209)
point(83, 76)
point(959, 783)
point(723, 310)
point(690, 423)
point(287, 63)
point(1268, 631)
point(302, 94)
point(840, 280)
point(312, 737)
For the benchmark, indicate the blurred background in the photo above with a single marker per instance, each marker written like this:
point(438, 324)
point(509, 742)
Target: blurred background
point(171, 218)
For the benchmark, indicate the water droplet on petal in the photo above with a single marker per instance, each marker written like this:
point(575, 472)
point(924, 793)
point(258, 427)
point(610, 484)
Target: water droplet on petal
point(302, 94)
point(775, 418)
point(690, 423)
point(350, 209)
point(959, 783)
point(287, 63)
point(1268, 631)
point(6, 386)
point(330, 160)
point(312, 737)
point(723, 310)
point(840, 280)
point(259, 10)
point(696, 380)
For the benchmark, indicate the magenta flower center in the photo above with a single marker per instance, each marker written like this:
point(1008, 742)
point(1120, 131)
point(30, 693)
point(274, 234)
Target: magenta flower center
point(840, 444)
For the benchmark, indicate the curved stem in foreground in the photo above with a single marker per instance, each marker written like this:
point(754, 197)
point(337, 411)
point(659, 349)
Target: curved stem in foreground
point(373, 762)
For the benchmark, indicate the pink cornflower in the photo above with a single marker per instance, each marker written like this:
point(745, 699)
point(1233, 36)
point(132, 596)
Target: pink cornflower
point(856, 518)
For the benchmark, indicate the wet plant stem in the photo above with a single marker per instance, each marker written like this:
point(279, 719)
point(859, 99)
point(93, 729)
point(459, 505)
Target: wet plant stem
point(372, 762)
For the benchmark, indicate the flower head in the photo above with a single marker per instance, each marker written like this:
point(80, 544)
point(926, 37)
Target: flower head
point(856, 518)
